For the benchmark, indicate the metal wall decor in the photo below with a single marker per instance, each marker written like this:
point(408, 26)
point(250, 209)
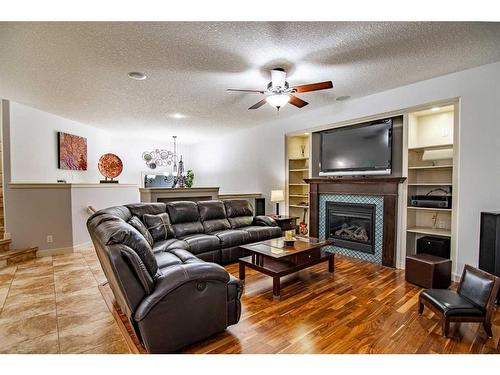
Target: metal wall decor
point(162, 158)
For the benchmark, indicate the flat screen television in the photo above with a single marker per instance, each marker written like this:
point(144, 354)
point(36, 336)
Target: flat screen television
point(364, 149)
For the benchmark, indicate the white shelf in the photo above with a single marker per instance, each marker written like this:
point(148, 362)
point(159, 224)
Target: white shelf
point(298, 159)
point(430, 147)
point(432, 167)
point(430, 184)
point(298, 206)
point(431, 231)
point(429, 209)
point(298, 184)
point(299, 170)
point(299, 195)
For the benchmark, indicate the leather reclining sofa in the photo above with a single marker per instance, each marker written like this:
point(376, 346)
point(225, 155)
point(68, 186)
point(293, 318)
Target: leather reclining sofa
point(162, 262)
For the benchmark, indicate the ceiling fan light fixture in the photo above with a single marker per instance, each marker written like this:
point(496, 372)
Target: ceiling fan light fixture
point(278, 77)
point(278, 100)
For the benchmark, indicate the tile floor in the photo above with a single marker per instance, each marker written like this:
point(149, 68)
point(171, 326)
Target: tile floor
point(44, 308)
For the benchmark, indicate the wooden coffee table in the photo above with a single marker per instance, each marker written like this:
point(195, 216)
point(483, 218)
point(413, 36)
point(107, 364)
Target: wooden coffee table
point(273, 258)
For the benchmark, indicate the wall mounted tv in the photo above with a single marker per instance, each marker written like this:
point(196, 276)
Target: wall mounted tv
point(363, 149)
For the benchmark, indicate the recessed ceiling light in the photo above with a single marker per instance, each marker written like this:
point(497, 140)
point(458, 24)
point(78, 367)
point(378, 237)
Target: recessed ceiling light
point(138, 76)
point(178, 116)
point(435, 109)
point(342, 98)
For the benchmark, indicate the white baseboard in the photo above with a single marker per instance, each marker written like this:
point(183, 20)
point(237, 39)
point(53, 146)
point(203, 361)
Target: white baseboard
point(50, 252)
point(82, 246)
point(62, 250)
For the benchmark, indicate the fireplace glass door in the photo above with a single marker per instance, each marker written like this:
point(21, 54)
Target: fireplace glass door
point(352, 225)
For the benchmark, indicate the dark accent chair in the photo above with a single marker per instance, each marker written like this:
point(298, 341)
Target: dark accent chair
point(474, 300)
point(168, 283)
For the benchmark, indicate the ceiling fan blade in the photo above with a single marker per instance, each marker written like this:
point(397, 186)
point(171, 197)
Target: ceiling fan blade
point(278, 77)
point(297, 102)
point(245, 90)
point(314, 86)
point(258, 104)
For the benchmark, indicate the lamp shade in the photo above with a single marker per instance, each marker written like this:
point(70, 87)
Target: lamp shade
point(277, 196)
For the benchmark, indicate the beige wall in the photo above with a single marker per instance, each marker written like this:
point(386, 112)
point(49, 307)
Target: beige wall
point(98, 197)
point(35, 211)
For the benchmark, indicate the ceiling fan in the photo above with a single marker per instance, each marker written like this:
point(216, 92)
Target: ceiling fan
point(279, 92)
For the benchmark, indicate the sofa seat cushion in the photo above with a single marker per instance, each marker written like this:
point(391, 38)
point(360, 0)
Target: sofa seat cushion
point(166, 259)
point(259, 233)
point(200, 243)
point(232, 237)
point(186, 257)
point(451, 303)
point(170, 244)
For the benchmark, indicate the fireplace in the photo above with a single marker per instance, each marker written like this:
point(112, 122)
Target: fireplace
point(379, 191)
point(351, 225)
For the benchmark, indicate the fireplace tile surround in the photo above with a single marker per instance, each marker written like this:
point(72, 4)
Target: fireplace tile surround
point(377, 201)
point(385, 188)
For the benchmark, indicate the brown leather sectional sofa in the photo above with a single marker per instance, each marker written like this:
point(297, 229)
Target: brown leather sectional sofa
point(162, 262)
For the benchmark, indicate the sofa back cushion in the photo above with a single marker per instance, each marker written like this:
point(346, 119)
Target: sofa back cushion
point(125, 234)
point(239, 212)
point(141, 228)
point(213, 216)
point(185, 218)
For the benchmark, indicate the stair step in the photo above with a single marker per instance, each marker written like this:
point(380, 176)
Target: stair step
point(17, 256)
point(5, 245)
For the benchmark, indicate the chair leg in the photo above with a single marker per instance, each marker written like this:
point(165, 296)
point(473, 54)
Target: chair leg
point(487, 328)
point(420, 307)
point(445, 325)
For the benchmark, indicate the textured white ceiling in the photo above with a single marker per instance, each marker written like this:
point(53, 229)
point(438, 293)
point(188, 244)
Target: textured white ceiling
point(79, 70)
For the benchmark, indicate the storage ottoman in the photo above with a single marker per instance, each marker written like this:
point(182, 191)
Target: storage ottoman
point(428, 271)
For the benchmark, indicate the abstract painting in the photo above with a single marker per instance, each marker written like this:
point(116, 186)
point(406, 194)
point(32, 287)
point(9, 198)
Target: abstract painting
point(72, 152)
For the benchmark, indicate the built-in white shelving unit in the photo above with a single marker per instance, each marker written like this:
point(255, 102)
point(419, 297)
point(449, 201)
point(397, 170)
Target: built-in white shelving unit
point(298, 168)
point(430, 171)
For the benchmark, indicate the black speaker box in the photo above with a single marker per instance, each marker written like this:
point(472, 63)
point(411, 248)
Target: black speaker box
point(489, 244)
point(437, 246)
point(260, 206)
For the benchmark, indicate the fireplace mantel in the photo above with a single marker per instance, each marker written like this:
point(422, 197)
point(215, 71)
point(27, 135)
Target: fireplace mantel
point(358, 180)
point(355, 185)
point(386, 187)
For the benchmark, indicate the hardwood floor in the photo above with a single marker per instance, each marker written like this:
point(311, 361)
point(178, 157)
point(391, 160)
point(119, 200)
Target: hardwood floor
point(361, 308)
point(53, 305)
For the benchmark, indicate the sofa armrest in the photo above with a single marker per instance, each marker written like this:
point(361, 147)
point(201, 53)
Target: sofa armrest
point(176, 276)
point(266, 221)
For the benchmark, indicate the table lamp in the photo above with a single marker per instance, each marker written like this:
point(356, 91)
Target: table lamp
point(277, 196)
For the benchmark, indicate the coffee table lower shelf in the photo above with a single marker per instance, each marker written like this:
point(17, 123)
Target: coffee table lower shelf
point(279, 268)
